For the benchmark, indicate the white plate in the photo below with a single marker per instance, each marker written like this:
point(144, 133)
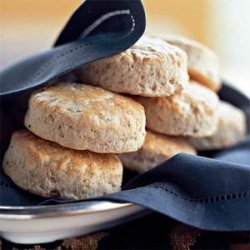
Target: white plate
point(42, 224)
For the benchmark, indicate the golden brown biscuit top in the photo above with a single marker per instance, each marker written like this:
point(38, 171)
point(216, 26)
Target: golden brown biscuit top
point(75, 99)
point(155, 48)
point(166, 145)
point(61, 157)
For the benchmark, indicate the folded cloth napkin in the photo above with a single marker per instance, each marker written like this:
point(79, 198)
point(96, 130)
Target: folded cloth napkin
point(97, 29)
point(211, 194)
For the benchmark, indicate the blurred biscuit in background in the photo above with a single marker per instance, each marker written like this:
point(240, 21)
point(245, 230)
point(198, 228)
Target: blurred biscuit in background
point(49, 170)
point(231, 129)
point(151, 67)
point(203, 63)
point(156, 149)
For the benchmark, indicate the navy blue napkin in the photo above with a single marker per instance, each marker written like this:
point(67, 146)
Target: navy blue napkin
point(208, 193)
point(97, 29)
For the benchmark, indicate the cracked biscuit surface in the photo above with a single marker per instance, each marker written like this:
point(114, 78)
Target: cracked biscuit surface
point(49, 170)
point(84, 117)
point(151, 67)
point(203, 63)
point(194, 112)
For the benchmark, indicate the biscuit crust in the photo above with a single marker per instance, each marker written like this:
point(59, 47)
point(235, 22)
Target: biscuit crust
point(84, 117)
point(194, 112)
point(151, 67)
point(203, 63)
point(156, 149)
point(47, 169)
point(231, 129)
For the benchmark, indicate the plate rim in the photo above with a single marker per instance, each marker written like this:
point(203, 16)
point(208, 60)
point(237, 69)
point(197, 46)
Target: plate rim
point(60, 210)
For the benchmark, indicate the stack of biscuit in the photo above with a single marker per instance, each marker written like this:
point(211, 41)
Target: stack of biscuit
point(176, 80)
point(203, 67)
point(74, 132)
point(80, 134)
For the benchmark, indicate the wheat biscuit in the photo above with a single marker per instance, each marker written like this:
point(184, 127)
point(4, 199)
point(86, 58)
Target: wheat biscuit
point(203, 63)
point(156, 149)
point(231, 129)
point(149, 68)
point(47, 169)
point(194, 111)
point(84, 117)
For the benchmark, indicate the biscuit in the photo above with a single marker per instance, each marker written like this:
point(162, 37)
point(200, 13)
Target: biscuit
point(149, 68)
point(203, 63)
point(231, 129)
point(194, 111)
point(156, 149)
point(49, 170)
point(84, 117)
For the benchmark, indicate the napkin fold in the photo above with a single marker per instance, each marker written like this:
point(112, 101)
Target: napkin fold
point(97, 29)
point(205, 193)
